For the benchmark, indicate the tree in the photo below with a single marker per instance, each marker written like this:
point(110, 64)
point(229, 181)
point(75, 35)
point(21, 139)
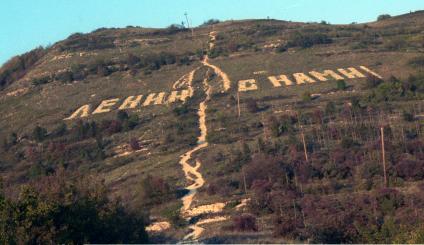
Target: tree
point(39, 133)
point(59, 211)
point(135, 146)
point(245, 222)
point(306, 96)
point(330, 108)
point(60, 130)
point(341, 85)
point(252, 106)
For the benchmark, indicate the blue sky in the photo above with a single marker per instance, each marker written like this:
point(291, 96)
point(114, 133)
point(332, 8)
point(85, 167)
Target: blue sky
point(26, 24)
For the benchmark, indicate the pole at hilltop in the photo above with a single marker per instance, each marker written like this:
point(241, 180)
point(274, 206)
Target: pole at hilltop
point(188, 25)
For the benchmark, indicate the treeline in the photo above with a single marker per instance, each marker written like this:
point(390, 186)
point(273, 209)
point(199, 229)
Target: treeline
point(67, 209)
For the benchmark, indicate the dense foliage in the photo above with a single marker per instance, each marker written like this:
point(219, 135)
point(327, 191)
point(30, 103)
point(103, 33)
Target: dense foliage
point(63, 211)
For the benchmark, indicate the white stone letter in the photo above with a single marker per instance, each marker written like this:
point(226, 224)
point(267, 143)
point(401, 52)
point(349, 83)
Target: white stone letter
point(370, 72)
point(131, 102)
point(156, 99)
point(323, 76)
point(83, 110)
point(302, 78)
point(105, 106)
point(247, 85)
point(179, 95)
point(352, 73)
point(276, 80)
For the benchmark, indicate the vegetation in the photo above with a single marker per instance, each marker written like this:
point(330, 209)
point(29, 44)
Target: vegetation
point(384, 17)
point(308, 158)
point(18, 66)
point(63, 211)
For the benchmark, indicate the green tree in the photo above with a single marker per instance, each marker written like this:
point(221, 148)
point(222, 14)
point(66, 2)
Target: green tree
point(39, 133)
point(341, 85)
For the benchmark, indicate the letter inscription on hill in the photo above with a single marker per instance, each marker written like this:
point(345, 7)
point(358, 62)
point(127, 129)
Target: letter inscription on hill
point(245, 85)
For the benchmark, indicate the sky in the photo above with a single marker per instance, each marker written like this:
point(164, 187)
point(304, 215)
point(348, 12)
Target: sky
point(26, 24)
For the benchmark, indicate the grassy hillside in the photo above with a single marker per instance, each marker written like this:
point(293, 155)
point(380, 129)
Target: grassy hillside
point(306, 159)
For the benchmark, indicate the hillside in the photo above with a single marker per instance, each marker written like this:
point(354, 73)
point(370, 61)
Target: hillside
point(247, 131)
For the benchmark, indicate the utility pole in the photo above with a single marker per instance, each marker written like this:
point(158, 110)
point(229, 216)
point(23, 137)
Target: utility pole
point(383, 155)
point(244, 182)
point(304, 144)
point(188, 24)
point(238, 104)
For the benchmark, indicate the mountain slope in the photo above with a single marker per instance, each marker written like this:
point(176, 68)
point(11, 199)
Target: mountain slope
point(273, 124)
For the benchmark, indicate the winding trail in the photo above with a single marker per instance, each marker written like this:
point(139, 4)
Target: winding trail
point(226, 82)
point(191, 172)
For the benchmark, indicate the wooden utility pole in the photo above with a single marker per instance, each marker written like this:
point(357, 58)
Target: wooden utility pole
point(383, 155)
point(188, 25)
point(238, 104)
point(244, 182)
point(304, 144)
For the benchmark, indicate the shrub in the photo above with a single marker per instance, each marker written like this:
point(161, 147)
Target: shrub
point(135, 146)
point(59, 211)
point(40, 81)
point(132, 60)
point(209, 22)
point(330, 108)
point(407, 116)
point(372, 82)
point(155, 190)
point(39, 133)
point(308, 40)
point(417, 62)
point(245, 222)
point(252, 106)
point(306, 96)
point(383, 17)
point(64, 77)
point(281, 48)
point(341, 85)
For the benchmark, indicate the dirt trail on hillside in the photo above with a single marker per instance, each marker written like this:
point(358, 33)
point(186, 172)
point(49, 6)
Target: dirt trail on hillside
point(191, 172)
point(186, 81)
point(226, 83)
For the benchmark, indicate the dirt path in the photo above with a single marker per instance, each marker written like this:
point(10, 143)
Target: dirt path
point(186, 81)
point(226, 83)
point(191, 172)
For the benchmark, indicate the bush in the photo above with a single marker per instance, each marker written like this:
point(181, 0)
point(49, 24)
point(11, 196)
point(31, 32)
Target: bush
point(245, 222)
point(372, 82)
point(155, 190)
point(40, 81)
point(306, 97)
point(383, 17)
point(341, 85)
point(281, 48)
point(308, 40)
point(59, 211)
point(417, 62)
point(407, 116)
point(39, 133)
point(209, 22)
point(252, 106)
point(135, 146)
point(64, 77)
